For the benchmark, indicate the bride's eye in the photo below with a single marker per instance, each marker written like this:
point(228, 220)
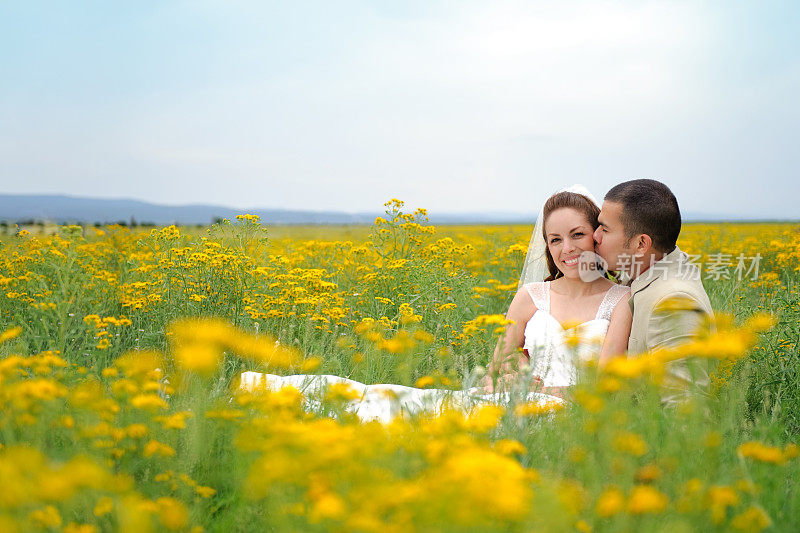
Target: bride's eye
point(578, 234)
point(553, 240)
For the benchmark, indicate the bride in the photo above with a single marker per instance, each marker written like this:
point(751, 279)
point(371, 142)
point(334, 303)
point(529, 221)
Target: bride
point(561, 294)
point(574, 300)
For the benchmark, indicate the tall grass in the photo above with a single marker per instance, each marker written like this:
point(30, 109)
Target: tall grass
point(114, 419)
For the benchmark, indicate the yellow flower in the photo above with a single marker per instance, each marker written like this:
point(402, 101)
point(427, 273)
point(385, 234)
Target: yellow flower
point(205, 492)
point(630, 367)
point(646, 499)
point(172, 514)
point(341, 392)
point(249, 218)
point(265, 350)
point(720, 498)
point(754, 519)
point(400, 343)
point(609, 384)
point(363, 326)
point(482, 480)
point(572, 495)
point(761, 322)
point(40, 389)
point(157, 448)
point(10, 333)
point(631, 443)
point(148, 401)
point(163, 476)
point(761, 452)
point(327, 506)
point(61, 483)
point(48, 517)
point(538, 408)
point(407, 315)
point(72, 527)
point(485, 418)
point(201, 358)
point(648, 473)
point(124, 387)
point(610, 502)
point(747, 486)
point(103, 506)
point(423, 336)
point(136, 431)
point(174, 421)
point(510, 447)
point(424, 381)
point(139, 363)
point(310, 364)
point(589, 401)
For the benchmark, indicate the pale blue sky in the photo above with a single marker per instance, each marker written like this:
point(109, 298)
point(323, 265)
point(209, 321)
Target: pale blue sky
point(453, 106)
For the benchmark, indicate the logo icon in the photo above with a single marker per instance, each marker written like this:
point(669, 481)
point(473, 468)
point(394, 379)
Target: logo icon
point(591, 266)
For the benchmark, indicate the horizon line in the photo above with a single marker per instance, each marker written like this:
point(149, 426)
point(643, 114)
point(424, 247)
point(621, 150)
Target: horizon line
point(692, 216)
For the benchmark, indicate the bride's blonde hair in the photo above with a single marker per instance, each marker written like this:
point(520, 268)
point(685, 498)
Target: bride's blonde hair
point(575, 201)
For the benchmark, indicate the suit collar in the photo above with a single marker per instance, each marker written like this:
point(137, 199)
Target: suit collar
point(669, 265)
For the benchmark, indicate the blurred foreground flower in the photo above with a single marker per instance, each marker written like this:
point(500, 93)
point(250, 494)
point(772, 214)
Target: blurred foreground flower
point(199, 344)
point(10, 333)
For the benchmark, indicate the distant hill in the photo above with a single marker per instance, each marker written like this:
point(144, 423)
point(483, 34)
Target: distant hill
point(68, 209)
point(64, 209)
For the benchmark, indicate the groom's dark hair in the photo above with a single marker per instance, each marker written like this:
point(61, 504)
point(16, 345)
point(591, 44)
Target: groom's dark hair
point(649, 207)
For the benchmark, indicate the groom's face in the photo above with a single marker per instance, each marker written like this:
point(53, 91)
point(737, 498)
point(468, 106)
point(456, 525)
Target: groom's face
point(610, 237)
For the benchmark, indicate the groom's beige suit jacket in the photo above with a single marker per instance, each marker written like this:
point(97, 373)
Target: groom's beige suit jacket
point(674, 276)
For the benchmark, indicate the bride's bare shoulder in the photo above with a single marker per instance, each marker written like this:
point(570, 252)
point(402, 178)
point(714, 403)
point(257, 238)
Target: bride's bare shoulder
point(523, 303)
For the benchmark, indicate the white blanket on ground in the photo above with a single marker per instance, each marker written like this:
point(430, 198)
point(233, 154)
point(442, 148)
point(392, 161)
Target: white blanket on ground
point(383, 402)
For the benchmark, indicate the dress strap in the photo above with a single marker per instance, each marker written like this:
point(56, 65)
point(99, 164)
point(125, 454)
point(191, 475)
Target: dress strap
point(540, 294)
point(610, 301)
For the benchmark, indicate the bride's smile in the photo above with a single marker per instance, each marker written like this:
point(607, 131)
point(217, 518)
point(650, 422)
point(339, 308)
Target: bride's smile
point(572, 261)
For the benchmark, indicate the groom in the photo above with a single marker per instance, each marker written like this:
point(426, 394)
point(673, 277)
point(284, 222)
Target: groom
point(639, 226)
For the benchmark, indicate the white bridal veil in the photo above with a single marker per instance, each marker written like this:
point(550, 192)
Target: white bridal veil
point(535, 266)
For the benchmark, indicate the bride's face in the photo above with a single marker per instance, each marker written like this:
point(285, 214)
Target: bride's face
point(568, 235)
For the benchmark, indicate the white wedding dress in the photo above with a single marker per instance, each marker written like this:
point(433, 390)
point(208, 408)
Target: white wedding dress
point(552, 361)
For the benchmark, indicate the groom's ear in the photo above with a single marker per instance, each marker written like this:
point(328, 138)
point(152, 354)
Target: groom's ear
point(642, 244)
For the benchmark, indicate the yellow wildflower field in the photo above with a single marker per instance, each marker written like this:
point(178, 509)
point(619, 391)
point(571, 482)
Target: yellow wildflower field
point(120, 350)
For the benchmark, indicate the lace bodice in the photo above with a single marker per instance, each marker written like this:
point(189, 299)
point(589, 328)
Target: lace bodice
point(540, 294)
point(545, 336)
